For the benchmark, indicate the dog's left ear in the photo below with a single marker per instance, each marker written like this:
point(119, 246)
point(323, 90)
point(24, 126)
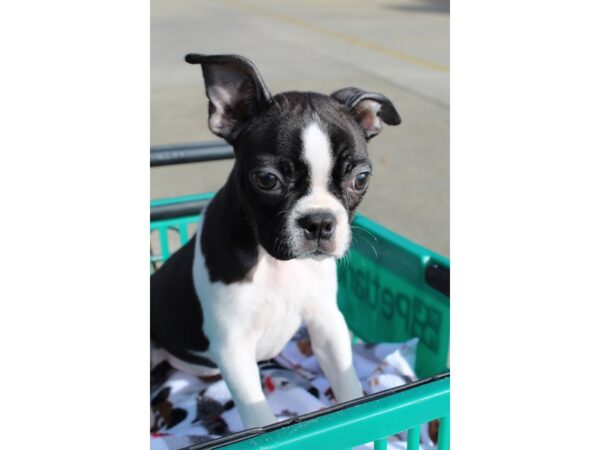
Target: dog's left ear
point(236, 91)
point(368, 109)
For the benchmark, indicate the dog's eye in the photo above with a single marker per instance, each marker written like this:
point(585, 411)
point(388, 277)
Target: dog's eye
point(361, 181)
point(266, 180)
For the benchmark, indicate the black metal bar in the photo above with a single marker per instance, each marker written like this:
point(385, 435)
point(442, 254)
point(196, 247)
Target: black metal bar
point(438, 277)
point(174, 210)
point(166, 155)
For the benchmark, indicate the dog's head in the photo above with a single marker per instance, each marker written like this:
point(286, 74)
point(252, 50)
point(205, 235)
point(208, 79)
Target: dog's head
point(302, 165)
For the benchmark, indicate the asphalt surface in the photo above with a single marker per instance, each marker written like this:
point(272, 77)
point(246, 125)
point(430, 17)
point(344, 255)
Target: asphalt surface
point(398, 48)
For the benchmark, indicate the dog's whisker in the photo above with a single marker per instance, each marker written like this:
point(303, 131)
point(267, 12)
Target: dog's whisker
point(354, 227)
point(357, 228)
point(370, 245)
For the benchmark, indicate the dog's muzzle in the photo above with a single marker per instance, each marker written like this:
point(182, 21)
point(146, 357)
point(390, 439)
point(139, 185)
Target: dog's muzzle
point(317, 226)
point(318, 232)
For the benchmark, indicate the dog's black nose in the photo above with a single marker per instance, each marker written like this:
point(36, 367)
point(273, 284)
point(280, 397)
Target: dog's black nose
point(318, 225)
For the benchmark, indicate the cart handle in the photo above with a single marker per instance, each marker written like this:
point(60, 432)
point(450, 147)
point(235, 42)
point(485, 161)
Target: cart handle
point(176, 210)
point(170, 154)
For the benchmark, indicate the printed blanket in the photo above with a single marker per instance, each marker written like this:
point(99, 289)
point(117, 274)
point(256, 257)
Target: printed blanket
point(187, 410)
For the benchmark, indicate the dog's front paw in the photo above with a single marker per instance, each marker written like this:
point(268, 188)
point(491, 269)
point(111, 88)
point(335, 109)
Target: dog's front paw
point(256, 414)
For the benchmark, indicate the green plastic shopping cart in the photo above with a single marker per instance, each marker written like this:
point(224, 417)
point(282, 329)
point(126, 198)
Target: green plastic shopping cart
point(390, 290)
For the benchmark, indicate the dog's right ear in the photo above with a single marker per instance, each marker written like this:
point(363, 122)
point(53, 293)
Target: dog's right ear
point(235, 89)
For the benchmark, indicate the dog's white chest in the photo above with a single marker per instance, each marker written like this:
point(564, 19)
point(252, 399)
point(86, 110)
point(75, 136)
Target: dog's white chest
point(284, 292)
point(268, 307)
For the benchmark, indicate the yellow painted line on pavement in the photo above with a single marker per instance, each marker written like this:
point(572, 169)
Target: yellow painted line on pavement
point(341, 36)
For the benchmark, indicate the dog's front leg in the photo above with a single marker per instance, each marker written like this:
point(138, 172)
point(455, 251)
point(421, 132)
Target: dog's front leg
point(330, 341)
point(240, 371)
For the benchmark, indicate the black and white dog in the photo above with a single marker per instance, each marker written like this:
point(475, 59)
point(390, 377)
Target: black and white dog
point(263, 259)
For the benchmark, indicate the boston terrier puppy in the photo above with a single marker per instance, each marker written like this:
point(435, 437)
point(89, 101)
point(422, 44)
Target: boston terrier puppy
point(262, 261)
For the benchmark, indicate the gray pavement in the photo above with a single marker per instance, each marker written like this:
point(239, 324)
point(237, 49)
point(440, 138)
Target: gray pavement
point(398, 48)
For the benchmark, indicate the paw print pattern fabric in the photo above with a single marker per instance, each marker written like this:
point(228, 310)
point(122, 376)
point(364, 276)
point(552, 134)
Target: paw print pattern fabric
point(188, 410)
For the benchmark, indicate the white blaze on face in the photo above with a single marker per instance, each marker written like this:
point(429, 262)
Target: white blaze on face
point(318, 156)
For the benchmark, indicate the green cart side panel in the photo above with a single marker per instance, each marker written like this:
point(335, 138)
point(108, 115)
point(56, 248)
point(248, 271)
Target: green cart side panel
point(384, 296)
point(359, 424)
point(179, 224)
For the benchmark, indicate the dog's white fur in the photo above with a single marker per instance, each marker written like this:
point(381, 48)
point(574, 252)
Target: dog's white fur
point(253, 319)
point(317, 154)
